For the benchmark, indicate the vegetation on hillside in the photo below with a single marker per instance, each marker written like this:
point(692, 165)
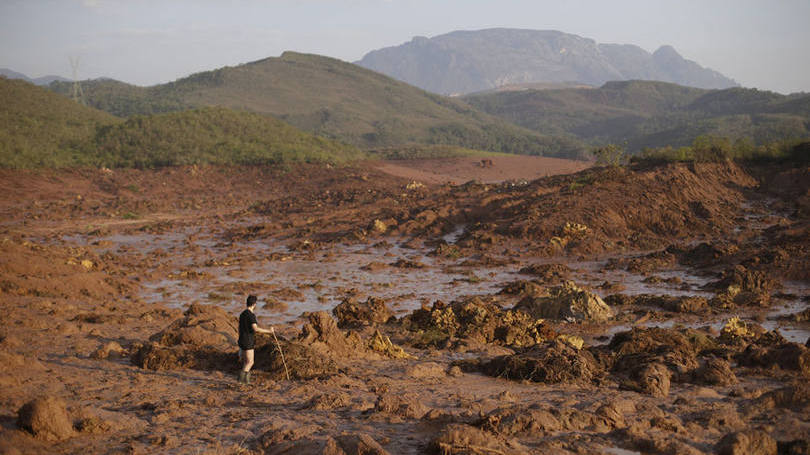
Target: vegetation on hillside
point(43, 129)
point(712, 149)
point(644, 114)
point(333, 99)
point(213, 136)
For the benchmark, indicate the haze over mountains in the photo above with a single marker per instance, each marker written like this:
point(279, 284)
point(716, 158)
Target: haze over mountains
point(470, 61)
point(44, 80)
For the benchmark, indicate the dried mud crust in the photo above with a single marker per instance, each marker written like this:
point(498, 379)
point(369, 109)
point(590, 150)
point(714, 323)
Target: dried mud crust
point(471, 376)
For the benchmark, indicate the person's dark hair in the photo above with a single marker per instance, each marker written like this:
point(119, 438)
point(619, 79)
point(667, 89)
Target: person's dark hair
point(251, 300)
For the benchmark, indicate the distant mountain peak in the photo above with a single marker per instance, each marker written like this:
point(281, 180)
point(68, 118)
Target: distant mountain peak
point(469, 61)
point(44, 80)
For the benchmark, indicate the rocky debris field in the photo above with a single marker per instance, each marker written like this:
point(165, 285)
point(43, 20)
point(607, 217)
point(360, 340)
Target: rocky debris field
point(655, 309)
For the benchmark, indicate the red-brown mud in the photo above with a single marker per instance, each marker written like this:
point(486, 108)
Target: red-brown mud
point(655, 309)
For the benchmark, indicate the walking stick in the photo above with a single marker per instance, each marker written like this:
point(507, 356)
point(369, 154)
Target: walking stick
point(278, 345)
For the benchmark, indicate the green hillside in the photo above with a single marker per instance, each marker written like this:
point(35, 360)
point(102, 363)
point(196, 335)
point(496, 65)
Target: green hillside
point(43, 129)
point(215, 136)
point(333, 99)
point(652, 114)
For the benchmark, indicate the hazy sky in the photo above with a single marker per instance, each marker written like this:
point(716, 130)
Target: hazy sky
point(763, 44)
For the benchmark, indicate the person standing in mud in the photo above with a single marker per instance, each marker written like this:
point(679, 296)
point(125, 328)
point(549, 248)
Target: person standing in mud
point(248, 326)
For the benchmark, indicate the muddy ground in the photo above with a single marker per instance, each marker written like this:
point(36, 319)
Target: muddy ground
point(654, 309)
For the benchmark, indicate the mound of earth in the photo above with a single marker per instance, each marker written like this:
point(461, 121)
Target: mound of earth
point(786, 356)
point(745, 287)
point(46, 418)
point(31, 269)
point(201, 325)
point(478, 320)
point(344, 444)
point(652, 216)
point(204, 338)
point(676, 304)
point(550, 363)
point(460, 439)
point(320, 348)
point(754, 442)
point(351, 313)
point(548, 273)
point(634, 351)
point(567, 301)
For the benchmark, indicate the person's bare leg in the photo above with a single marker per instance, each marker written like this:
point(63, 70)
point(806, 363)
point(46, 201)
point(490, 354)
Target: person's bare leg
point(248, 364)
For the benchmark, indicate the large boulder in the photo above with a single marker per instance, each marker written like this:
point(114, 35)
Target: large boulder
point(46, 418)
point(567, 301)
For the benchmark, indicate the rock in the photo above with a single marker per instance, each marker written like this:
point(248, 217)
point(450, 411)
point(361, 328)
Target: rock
point(749, 442)
point(550, 363)
point(46, 418)
point(567, 302)
point(351, 313)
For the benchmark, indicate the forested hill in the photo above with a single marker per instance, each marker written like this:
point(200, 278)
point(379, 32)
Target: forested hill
point(652, 114)
point(333, 99)
point(44, 129)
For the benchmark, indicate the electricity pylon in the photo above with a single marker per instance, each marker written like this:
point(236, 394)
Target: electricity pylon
point(77, 93)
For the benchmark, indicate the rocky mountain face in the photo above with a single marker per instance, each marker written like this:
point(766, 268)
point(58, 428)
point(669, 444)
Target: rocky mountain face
point(470, 61)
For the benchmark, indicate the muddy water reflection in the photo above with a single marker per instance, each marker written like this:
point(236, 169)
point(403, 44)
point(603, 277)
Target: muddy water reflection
point(193, 265)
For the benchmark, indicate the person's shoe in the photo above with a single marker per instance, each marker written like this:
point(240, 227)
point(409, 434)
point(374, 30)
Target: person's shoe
point(247, 377)
point(242, 377)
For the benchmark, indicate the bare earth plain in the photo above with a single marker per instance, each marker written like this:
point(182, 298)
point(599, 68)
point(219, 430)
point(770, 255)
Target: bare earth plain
point(531, 306)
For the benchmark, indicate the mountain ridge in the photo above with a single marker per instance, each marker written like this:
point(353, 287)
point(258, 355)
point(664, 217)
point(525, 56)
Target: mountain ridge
point(333, 99)
point(43, 80)
point(644, 114)
point(462, 62)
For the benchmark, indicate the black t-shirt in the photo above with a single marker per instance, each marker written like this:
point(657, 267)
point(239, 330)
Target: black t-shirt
point(247, 336)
